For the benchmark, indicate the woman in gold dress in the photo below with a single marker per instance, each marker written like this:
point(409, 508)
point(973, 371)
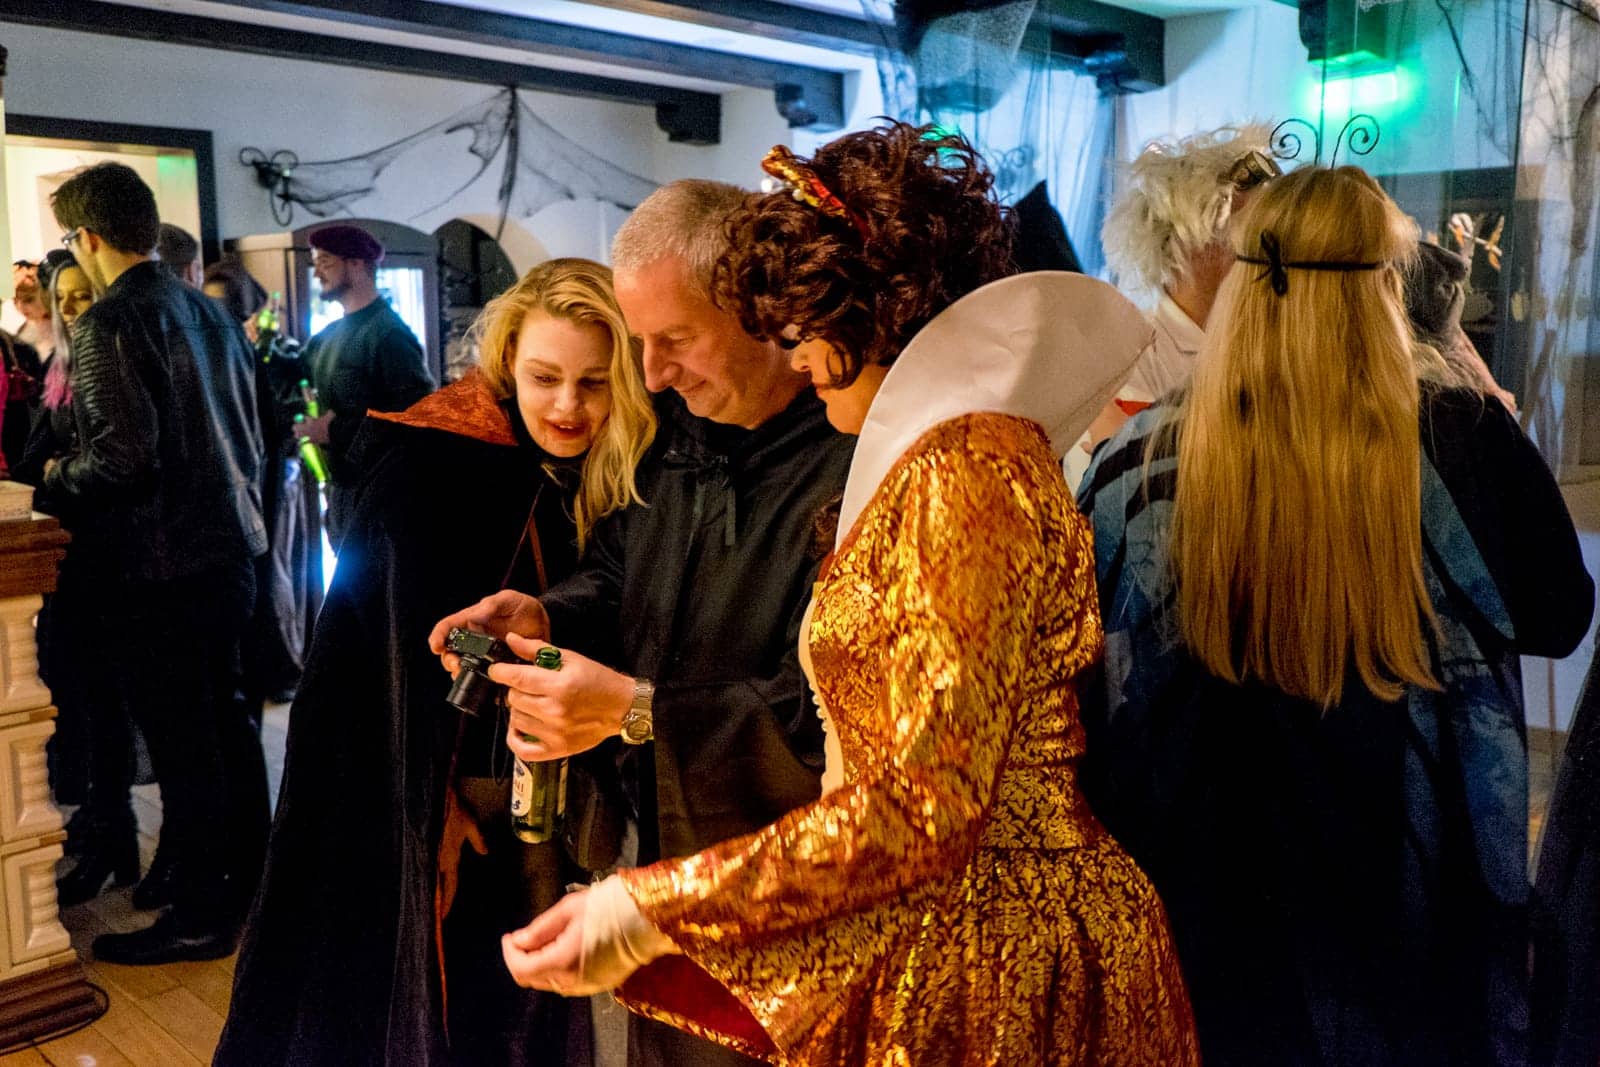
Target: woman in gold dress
point(950, 898)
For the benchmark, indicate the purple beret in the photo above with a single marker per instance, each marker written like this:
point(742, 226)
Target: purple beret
point(347, 242)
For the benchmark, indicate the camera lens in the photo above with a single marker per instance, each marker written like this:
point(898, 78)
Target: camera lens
point(472, 691)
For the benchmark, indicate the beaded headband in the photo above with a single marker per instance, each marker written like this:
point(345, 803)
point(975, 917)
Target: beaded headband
point(1278, 268)
point(801, 182)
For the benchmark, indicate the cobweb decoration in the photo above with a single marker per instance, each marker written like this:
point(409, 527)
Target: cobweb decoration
point(896, 76)
point(539, 166)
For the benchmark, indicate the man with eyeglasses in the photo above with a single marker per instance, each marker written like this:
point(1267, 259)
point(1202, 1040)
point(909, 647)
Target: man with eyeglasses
point(367, 361)
point(1166, 236)
point(165, 484)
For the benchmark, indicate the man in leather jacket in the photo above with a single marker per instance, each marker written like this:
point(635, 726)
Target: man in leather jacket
point(705, 727)
point(166, 477)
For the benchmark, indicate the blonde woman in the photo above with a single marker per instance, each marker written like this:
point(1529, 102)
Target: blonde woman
point(1310, 733)
point(495, 480)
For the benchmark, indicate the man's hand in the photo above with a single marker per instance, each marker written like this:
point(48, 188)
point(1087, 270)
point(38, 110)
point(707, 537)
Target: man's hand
point(569, 710)
point(316, 429)
point(506, 612)
point(548, 952)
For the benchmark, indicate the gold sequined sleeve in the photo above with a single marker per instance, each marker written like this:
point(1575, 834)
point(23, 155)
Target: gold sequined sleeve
point(784, 917)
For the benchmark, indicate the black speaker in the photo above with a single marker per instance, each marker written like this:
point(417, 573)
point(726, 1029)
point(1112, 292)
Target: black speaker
point(695, 121)
point(1340, 33)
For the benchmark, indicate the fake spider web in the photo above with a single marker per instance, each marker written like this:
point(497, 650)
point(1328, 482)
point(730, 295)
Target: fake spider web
point(539, 166)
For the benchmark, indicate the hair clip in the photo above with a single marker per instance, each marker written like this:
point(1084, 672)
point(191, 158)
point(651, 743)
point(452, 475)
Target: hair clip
point(801, 182)
point(1252, 169)
point(1277, 272)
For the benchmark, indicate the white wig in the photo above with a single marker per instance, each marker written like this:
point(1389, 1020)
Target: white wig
point(1176, 200)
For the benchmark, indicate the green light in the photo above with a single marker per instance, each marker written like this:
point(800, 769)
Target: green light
point(1339, 96)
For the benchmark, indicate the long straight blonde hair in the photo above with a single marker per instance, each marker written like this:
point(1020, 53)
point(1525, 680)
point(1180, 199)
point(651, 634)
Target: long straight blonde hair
point(578, 290)
point(1297, 532)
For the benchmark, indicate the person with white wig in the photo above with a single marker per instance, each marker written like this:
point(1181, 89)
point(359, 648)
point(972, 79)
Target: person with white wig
point(1166, 237)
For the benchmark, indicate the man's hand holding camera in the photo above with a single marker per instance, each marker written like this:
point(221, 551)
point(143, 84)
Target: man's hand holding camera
point(569, 710)
point(505, 612)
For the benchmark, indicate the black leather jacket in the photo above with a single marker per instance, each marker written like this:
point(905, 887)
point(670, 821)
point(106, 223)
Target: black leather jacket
point(165, 481)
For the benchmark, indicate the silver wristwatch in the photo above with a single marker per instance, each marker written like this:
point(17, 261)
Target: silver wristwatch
point(638, 722)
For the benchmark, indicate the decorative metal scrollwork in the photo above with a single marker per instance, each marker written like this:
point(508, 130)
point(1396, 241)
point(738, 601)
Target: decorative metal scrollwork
point(1358, 137)
point(274, 172)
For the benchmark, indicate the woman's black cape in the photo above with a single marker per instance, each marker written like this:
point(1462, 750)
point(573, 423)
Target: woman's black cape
point(338, 963)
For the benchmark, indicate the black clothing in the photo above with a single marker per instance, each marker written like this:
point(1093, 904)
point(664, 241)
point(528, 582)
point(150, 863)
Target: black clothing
point(205, 751)
point(1566, 900)
point(165, 482)
point(160, 493)
point(54, 434)
point(368, 360)
point(24, 371)
point(702, 590)
point(340, 963)
point(1325, 871)
point(289, 574)
point(89, 709)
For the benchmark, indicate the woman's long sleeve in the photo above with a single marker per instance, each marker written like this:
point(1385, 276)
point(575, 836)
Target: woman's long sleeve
point(795, 905)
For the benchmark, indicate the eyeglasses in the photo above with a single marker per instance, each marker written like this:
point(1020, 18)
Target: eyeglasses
point(71, 236)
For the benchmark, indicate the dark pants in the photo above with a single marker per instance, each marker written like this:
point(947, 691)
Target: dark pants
point(179, 667)
point(92, 754)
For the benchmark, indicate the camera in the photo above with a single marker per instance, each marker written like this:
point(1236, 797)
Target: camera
point(472, 691)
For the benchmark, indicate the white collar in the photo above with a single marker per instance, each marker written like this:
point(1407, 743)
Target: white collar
point(1186, 335)
point(1050, 346)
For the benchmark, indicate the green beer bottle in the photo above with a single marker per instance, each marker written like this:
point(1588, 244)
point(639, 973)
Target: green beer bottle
point(311, 453)
point(539, 789)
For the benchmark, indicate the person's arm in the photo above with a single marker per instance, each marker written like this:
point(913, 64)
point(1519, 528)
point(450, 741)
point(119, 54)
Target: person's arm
point(584, 607)
point(959, 606)
point(116, 415)
point(959, 609)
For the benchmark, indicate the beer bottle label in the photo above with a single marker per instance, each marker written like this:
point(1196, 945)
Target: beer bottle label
point(521, 789)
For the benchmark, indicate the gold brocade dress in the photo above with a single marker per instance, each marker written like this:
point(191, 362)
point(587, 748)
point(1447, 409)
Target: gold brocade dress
point(954, 901)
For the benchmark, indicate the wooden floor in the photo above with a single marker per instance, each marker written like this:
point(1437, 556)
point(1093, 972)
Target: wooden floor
point(171, 1016)
point(166, 1016)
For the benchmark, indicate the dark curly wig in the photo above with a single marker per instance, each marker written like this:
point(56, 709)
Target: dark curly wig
point(926, 230)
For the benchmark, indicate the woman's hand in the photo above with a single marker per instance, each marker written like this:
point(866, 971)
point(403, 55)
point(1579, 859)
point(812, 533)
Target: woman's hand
point(548, 953)
point(591, 941)
point(506, 612)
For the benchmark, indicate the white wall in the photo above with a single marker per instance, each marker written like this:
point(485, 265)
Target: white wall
point(323, 112)
point(34, 172)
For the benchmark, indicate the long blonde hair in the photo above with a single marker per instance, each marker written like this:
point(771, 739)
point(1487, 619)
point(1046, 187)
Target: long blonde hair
point(1297, 530)
point(578, 290)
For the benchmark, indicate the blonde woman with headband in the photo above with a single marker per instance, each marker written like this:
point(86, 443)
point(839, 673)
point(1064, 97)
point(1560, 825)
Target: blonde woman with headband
point(1318, 569)
point(393, 866)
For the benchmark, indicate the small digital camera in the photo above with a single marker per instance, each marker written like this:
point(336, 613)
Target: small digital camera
point(472, 691)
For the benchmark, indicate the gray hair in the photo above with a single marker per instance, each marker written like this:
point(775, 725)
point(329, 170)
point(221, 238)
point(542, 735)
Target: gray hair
point(1175, 202)
point(682, 220)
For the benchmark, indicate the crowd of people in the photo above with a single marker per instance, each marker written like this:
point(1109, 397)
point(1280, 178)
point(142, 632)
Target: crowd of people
point(939, 663)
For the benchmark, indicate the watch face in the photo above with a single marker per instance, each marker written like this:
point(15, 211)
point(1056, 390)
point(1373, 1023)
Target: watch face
point(637, 730)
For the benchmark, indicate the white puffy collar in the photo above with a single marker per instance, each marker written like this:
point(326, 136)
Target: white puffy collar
point(1050, 346)
point(1187, 338)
